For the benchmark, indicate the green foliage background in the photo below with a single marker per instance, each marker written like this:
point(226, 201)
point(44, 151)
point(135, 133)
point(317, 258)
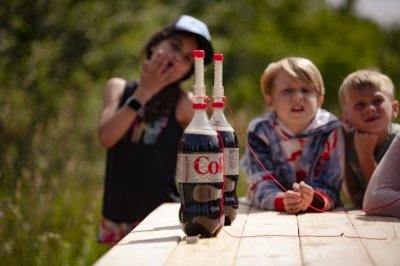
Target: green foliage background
point(56, 56)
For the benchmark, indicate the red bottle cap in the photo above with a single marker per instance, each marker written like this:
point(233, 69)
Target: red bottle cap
point(198, 54)
point(218, 57)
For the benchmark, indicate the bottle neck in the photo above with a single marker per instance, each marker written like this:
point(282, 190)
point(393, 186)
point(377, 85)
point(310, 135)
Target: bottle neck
point(218, 120)
point(200, 121)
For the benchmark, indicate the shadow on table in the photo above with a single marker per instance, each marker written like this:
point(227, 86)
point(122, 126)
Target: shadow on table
point(170, 227)
point(375, 218)
point(152, 240)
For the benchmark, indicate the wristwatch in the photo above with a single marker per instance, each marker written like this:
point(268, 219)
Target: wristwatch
point(133, 103)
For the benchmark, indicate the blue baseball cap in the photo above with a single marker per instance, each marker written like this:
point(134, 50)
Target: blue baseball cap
point(199, 30)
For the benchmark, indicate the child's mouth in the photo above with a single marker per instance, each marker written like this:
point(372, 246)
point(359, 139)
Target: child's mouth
point(372, 119)
point(297, 109)
point(168, 66)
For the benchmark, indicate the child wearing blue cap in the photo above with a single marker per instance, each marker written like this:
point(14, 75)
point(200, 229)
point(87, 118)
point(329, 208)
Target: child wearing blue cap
point(141, 123)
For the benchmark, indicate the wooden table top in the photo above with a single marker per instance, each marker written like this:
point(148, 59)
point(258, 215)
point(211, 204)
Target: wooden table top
point(260, 237)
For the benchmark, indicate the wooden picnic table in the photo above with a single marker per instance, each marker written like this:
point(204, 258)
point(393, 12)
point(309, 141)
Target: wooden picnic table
point(260, 237)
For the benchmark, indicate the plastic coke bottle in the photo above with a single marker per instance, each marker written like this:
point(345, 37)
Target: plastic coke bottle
point(200, 173)
point(230, 144)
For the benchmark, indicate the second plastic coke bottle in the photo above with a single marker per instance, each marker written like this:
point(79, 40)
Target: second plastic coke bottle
point(230, 144)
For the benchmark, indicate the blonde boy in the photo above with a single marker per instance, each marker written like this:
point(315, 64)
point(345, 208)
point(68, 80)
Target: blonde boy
point(299, 143)
point(368, 104)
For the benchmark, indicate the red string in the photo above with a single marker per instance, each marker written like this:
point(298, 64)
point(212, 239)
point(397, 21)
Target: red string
point(341, 235)
point(382, 206)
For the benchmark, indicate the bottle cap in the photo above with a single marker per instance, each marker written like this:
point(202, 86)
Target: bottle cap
point(218, 88)
point(198, 53)
point(218, 57)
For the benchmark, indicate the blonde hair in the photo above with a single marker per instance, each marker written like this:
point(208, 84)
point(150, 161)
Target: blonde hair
point(297, 67)
point(363, 79)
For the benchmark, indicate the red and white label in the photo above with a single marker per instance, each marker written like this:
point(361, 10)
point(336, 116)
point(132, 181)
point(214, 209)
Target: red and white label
point(231, 161)
point(200, 168)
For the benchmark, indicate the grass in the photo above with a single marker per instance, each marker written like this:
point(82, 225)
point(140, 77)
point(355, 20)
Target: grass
point(51, 221)
point(50, 194)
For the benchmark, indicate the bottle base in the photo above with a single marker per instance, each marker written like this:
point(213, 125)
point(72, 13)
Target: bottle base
point(203, 226)
point(230, 214)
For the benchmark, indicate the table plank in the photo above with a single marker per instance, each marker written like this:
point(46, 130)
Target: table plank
point(150, 242)
point(321, 243)
point(269, 238)
point(219, 250)
point(382, 252)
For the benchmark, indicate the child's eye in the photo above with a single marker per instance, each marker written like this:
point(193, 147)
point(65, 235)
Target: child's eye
point(377, 102)
point(189, 59)
point(306, 90)
point(359, 106)
point(287, 91)
point(175, 46)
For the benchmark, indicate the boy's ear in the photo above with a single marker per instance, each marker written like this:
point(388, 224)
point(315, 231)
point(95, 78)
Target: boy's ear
point(268, 102)
point(395, 109)
point(321, 100)
point(343, 117)
point(346, 121)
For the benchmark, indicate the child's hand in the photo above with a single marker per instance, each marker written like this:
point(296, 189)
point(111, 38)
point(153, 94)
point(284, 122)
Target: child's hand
point(365, 143)
point(306, 192)
point(292, 201)
point(158, 72)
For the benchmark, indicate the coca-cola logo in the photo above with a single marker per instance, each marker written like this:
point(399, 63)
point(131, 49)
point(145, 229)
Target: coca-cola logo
point(203, 165)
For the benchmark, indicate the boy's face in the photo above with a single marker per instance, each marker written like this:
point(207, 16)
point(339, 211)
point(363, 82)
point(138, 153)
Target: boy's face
point(369, 110)
point(294, 101)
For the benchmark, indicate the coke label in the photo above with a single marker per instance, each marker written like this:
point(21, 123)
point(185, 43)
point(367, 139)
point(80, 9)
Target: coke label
point(200, 168)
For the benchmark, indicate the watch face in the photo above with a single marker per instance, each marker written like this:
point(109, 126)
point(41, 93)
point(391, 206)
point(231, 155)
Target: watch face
point(133, 103)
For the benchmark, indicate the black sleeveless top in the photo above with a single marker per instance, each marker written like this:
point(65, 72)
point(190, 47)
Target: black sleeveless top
point(140, 168)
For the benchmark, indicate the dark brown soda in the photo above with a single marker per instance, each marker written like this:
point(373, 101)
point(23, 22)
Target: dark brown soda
point(201, 210)
point(231, 202)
